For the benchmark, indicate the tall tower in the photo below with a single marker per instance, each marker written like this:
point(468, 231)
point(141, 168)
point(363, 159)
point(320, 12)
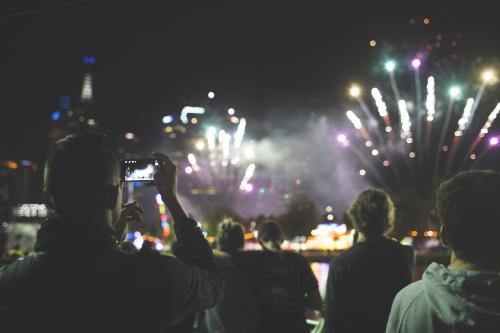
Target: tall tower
point(67, 118)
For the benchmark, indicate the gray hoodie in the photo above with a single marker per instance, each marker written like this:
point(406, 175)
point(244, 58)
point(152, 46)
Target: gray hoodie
point(447, 300)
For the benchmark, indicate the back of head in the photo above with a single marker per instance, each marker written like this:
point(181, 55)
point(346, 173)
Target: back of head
point(230, 236)
point(78, 172)
point(270, 231)
point(372, 212)
point(468, 207)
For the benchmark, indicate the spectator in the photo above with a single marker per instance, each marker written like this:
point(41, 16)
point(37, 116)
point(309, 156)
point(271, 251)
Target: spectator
point(78, 280)
point(283, 283)
point(237, 312)
point(465, 296)
point(363, 281)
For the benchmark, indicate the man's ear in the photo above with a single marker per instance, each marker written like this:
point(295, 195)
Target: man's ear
point(443, 234)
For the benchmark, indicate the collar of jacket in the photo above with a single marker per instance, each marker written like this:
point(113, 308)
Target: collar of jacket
point(58, 235)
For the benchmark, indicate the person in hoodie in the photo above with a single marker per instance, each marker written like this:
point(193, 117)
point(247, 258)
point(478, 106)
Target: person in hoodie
point(364, 280)
point(465, 296)
point(237, 312)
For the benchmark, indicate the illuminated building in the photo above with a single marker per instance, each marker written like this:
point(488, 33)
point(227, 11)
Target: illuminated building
point(82, 116)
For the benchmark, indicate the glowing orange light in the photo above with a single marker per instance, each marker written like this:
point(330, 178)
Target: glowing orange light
point(11, 165)
point(373, 43)
point(414, 233)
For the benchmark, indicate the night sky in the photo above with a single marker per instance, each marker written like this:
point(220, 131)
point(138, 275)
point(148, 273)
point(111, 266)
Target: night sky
point(153, 57)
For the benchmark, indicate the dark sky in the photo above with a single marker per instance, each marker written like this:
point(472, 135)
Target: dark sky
point(154, 57)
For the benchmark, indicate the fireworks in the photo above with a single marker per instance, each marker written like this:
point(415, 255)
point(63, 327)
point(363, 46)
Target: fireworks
point(414, 151)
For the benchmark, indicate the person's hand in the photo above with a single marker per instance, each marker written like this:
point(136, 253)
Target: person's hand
point(130, 212)
point(166, 176)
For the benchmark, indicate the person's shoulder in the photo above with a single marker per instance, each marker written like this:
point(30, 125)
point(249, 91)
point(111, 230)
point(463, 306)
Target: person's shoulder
point(347, 255)
point(409, 296)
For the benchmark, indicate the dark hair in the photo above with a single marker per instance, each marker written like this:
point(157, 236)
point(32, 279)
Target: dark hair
point(270, 231)
point(468, 207)
point(77, 171)
point(372, 212)
point(230, 236)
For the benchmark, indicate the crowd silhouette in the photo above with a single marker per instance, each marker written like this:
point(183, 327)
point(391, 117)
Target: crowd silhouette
point(84, 277)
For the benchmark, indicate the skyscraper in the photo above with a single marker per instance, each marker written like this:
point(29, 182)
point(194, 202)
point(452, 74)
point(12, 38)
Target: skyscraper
point(82, 116)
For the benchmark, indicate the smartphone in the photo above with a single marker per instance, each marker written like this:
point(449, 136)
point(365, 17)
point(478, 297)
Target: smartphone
point(138, 170)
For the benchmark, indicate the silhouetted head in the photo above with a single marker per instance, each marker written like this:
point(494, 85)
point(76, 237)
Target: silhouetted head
point(468, 206)
point(372, 212)
point(230, 237)
point(270, 235)
point(82, 179)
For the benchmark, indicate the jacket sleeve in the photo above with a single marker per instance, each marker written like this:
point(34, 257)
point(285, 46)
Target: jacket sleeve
point(194, 282)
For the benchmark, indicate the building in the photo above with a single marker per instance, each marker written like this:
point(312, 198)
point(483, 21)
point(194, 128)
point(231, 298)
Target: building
point(82, 116)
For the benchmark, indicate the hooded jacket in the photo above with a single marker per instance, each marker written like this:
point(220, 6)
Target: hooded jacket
point(447, 300)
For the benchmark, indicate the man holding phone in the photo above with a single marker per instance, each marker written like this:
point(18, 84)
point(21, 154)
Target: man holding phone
point(78, 280)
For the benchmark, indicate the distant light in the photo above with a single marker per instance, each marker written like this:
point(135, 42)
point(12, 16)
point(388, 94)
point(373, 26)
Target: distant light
point(188, 170)
point(11, 165)
point(129, 136)
point(89, 60)
point(368, 144)
point(445, 148)
point(167, 119)
point(91, 122)
point(414, 233)
point(190, 110)
point(488, 76)
point(159, 246)
point(194, 121)
point(373, 43)
point(386, 163)
point(159, 201)
point(427, 21)
point(409, 140)
point(472, 156)
point(341, 138)
point(388, 129)
point(330, 217)
point(412, 154)
point(354, 90)
point(249, 187)
point(494, 141)
point(169, 129)
point(362, 172)
point(416, 63)
point(375, 152)
point(211, 94)
point(230, 111)
point(329, 209)
point(200, 145)
point(454, 92)
point(390, 66)
point(235, 120)
point(56, 115)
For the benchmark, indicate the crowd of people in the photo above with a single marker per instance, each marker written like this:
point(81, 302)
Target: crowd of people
point(83, 278)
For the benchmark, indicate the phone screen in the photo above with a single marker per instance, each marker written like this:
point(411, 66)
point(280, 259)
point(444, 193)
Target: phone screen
point(138, 170)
